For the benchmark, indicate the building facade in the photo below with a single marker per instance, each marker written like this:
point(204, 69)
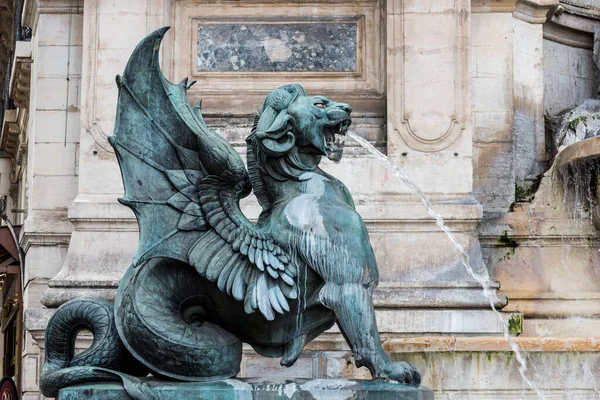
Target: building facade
point(457, 93)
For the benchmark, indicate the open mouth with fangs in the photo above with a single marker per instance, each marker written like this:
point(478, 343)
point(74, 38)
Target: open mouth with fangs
point(335, 136)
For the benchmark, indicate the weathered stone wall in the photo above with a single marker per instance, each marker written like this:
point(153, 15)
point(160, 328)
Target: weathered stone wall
point(569, 77)
point(492, 77)
point(528, 126)
point(52, 170)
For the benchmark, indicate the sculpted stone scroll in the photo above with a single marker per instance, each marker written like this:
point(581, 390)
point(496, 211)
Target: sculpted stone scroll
point(205, 279)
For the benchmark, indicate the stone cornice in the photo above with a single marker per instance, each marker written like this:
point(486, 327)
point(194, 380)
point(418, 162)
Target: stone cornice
point(46, 231)
point(11, 130)
point(496, 6)
point(575, 18)
point(490, 344)
point(569, 37)
point(33, 8)
point(21, 75)
point(583, 8)
point(534, 11)
point(13, 139)
point(573, 23)
point(375, 206)
point(44, 239)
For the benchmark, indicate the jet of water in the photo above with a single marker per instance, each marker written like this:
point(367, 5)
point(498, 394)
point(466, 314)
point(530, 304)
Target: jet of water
point(464, 256)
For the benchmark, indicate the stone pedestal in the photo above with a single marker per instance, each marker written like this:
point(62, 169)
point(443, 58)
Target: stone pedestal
point(251, 389)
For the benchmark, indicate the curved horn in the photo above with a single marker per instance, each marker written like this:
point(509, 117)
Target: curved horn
point(279, 147)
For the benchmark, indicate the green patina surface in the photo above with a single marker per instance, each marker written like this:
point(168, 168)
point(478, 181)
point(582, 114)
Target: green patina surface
point(205, 278)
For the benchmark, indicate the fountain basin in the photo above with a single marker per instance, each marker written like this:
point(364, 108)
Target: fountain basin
point(586, 149)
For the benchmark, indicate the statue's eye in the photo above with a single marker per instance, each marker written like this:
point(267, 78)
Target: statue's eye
point(320, 105)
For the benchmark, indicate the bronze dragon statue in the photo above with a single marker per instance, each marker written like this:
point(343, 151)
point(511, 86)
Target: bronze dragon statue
point(205, 279)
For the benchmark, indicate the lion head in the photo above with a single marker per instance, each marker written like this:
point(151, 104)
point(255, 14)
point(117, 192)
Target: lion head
point(293, 130)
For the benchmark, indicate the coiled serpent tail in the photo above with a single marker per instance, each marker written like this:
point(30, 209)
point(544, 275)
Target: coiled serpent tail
point(163, 313)
point(62, 368)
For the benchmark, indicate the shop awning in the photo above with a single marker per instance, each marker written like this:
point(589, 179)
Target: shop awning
point(9, 255)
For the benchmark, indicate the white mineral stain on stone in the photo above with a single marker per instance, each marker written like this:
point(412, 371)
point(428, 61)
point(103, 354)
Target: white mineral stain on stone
point(290, 389)
point(276, 50)
point(299, 37)
point(243, 390)
point(329, 389)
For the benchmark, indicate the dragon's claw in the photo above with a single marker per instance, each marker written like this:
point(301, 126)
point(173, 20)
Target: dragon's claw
point(402, 372)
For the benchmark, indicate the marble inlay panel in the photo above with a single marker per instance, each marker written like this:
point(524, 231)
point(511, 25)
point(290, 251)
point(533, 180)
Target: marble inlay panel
point(272, 47)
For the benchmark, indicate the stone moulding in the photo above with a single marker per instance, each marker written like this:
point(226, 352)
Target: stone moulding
point(529, 344)
point(426, 128)
point(498, 6)
point(232, 93)
point(33, 10)
point(388, 296)
point(573, 23)
point(586, 149)
point(280, 52)
point(534, 11)
point(560, 34)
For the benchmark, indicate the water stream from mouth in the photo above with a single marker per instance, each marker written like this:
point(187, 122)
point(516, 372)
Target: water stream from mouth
point(464, 256)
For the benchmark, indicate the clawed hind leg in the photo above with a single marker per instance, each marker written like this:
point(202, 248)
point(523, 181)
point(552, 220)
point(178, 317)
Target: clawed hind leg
point(356, 318)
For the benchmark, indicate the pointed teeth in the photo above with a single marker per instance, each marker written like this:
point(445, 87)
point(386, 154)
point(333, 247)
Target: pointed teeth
point(341, 128)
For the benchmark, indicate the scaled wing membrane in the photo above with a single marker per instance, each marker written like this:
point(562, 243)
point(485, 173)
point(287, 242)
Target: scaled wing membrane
point(184, 183)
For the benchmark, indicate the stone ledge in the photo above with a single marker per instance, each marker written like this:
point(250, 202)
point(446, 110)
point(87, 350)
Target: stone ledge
point(91, 212)
point(560, 306)
point(534, 11)
point(492, 6)
point(258, 389)
point(559, 327)
point(485, 344)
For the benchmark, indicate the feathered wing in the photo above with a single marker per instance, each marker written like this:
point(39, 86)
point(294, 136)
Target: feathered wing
point(184, 183)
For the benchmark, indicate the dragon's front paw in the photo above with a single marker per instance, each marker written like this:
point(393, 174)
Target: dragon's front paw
point(402, 372)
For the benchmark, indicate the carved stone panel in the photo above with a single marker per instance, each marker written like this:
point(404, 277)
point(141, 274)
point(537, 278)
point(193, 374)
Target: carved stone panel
point(241, 50)
point(428, 72)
